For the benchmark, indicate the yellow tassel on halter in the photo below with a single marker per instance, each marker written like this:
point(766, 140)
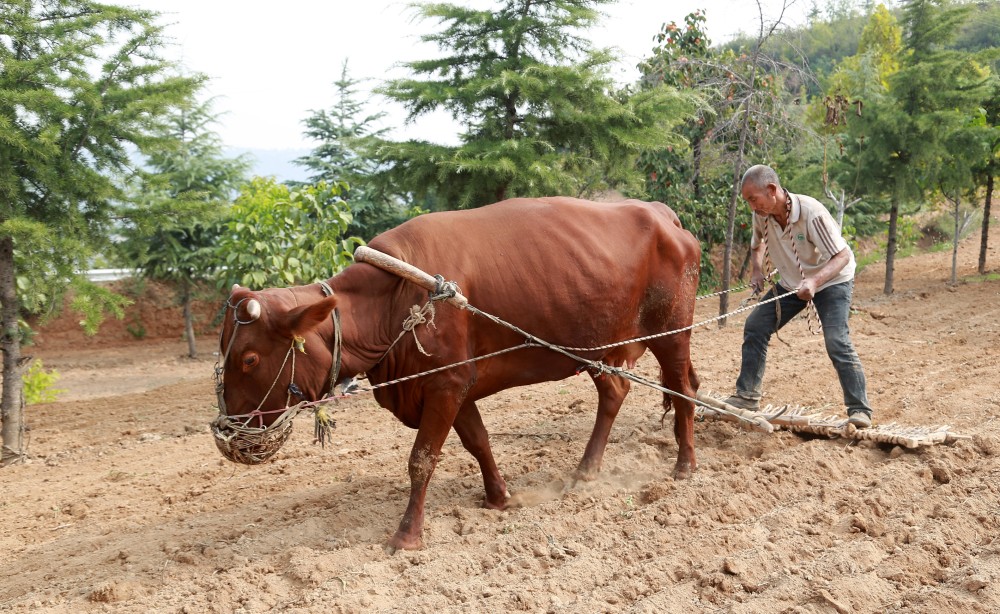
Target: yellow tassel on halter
point(324, 425)
point(299, 343)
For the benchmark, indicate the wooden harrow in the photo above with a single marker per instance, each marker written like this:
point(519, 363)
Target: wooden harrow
point(802, 419)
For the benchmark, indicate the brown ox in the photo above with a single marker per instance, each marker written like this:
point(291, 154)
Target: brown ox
point(572, 272)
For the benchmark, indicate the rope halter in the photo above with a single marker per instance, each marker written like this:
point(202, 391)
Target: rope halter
point(236, 437)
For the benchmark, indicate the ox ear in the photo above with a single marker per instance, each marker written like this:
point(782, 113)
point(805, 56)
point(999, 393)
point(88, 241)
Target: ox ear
point(303, 319)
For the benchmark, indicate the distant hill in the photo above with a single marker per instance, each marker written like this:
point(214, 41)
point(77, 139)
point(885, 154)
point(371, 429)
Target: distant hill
point(275, 163)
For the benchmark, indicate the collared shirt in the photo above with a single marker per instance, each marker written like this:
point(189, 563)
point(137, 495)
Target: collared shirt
point(817, 239)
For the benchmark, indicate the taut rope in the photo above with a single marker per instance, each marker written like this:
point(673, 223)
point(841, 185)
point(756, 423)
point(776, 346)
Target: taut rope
point(814, 327)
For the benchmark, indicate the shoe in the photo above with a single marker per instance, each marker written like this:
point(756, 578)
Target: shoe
point(860, 419)
point(743, 403)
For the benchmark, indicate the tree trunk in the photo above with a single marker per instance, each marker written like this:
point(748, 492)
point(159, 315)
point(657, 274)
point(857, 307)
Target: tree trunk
point(696, 168)
point(986, 225)
point(12, 400)
point(727, 258)
point(890, 248)
point(727, 265)
point(746, 264)
point(189, 323)
point(954, 242)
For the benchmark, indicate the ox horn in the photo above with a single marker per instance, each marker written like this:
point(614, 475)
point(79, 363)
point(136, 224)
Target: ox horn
point(253, 309)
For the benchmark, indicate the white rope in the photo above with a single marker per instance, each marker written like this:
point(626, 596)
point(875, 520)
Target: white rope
point(673, 332)
point(532, 341)
point(417, 317)
point(810, 306)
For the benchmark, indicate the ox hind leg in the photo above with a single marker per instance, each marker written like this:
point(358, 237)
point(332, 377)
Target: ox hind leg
point(475, 439)
point(678, 374)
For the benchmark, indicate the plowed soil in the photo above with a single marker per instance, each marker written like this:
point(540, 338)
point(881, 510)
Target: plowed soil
point(125, 505)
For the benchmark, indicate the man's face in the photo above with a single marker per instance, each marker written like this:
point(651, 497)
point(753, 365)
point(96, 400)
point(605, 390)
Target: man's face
point(763, 200)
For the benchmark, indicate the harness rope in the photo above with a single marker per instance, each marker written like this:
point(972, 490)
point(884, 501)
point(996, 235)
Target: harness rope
point(241, 442)
point(531, 341)
point(263, 441)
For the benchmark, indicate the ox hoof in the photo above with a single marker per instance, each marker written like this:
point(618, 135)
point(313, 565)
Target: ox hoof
point(497, 505)
point(402, 541)
point(684, 471)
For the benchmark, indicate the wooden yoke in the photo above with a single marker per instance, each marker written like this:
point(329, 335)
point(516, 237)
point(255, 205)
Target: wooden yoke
point(406, 271)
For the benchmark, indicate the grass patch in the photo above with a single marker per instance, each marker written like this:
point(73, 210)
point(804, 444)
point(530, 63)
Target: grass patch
point(978, 279)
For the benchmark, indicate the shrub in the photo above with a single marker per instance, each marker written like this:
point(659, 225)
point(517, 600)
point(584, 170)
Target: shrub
point(38, 384)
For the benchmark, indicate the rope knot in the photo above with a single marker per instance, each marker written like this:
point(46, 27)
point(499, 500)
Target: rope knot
point(443, 290)
point(418, 316)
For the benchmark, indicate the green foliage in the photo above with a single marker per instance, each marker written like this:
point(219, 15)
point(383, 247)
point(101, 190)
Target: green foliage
point(898, 146)
point(682, 58)
point(93, 302)
point(981, 31)
point(39, 384)
point(914, 136)
point(882, 40)
point(173, 221)
point(745, 117)
point(340, 156)
point(278, 236)
point(81, 85)
point(539, 110)
point(824, 41)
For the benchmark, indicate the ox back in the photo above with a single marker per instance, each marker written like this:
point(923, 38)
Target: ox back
point(573, 272)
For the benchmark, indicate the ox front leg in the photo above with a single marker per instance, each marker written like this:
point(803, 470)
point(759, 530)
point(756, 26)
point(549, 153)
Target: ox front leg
point(435, 423)
point(611, 392)
point(475, 439)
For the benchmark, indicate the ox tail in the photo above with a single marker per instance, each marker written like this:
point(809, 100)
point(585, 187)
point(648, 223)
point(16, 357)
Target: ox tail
point(694, 383)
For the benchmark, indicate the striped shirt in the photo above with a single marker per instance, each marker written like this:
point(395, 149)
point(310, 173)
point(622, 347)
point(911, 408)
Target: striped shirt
point(817, 239)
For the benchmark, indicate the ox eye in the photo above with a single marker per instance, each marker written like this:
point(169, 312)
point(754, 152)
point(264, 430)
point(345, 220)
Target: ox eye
point(250, 360)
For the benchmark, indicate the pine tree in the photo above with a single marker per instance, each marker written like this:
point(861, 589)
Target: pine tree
point(900, 142)
point(539, 114)
point(340, 157)
point(80, 82)
point(175, 220)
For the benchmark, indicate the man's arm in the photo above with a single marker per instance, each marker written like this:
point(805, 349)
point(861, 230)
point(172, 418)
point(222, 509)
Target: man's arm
point(757, 267)
point(807, 289)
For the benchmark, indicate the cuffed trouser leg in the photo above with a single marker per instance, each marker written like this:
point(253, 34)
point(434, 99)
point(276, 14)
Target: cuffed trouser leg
point(762, 323)
point(833, 304)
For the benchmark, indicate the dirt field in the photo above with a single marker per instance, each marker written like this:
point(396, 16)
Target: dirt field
point(126, 505)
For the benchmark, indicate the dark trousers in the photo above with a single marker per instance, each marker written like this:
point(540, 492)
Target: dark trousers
point(834, 306)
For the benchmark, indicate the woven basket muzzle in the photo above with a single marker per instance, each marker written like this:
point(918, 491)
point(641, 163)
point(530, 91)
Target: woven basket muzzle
point(248, 445)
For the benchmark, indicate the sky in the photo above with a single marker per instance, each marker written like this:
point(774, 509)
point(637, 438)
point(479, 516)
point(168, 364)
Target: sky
point(271, 63)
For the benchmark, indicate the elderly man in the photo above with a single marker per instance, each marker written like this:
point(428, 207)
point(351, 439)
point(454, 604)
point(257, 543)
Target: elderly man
point(815, 264)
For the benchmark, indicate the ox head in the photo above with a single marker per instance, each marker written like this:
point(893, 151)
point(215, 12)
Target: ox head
point(272, 356)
